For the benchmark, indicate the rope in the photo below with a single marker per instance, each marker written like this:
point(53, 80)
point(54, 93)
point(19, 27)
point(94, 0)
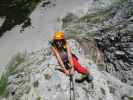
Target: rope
point(72, 91)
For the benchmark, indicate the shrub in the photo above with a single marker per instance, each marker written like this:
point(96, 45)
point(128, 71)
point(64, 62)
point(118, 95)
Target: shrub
point(3, 85)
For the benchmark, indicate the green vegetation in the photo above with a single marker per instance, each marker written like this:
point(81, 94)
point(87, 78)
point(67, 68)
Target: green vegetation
point(14, 63)
point(130, 98)
point(16, 12)
point(3, 85)
point(11, 69)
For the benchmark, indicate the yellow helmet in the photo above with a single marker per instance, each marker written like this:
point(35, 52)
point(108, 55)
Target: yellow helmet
point(58, 36)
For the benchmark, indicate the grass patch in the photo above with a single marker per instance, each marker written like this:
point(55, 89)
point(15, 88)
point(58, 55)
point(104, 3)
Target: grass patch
point(16, 60)
point(14, 63)
point(3, 85)
point(130, 98)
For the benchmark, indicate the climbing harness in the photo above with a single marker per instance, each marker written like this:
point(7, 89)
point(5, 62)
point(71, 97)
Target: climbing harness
point(72, 91)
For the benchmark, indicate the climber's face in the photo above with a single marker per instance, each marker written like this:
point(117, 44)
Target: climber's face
point(59, 43)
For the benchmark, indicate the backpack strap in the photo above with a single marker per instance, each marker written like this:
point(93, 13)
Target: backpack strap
point(52, 43)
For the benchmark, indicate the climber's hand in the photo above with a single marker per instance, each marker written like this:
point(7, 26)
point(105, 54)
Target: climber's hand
point(67, 72)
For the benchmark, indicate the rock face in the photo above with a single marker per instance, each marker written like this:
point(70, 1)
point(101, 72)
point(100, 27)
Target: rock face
point(119, 54)
point(107, 25)
point(117, 43)
point(102, 34)
point(32, 76)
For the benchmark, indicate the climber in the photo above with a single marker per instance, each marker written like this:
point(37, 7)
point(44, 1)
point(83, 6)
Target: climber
point(68, 61)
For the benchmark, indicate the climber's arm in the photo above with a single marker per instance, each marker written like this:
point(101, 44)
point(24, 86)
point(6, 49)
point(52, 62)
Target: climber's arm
point(60, 61)
point(70, 57)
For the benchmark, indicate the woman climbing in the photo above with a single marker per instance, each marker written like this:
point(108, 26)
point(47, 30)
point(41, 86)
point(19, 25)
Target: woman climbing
point(68, 61)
